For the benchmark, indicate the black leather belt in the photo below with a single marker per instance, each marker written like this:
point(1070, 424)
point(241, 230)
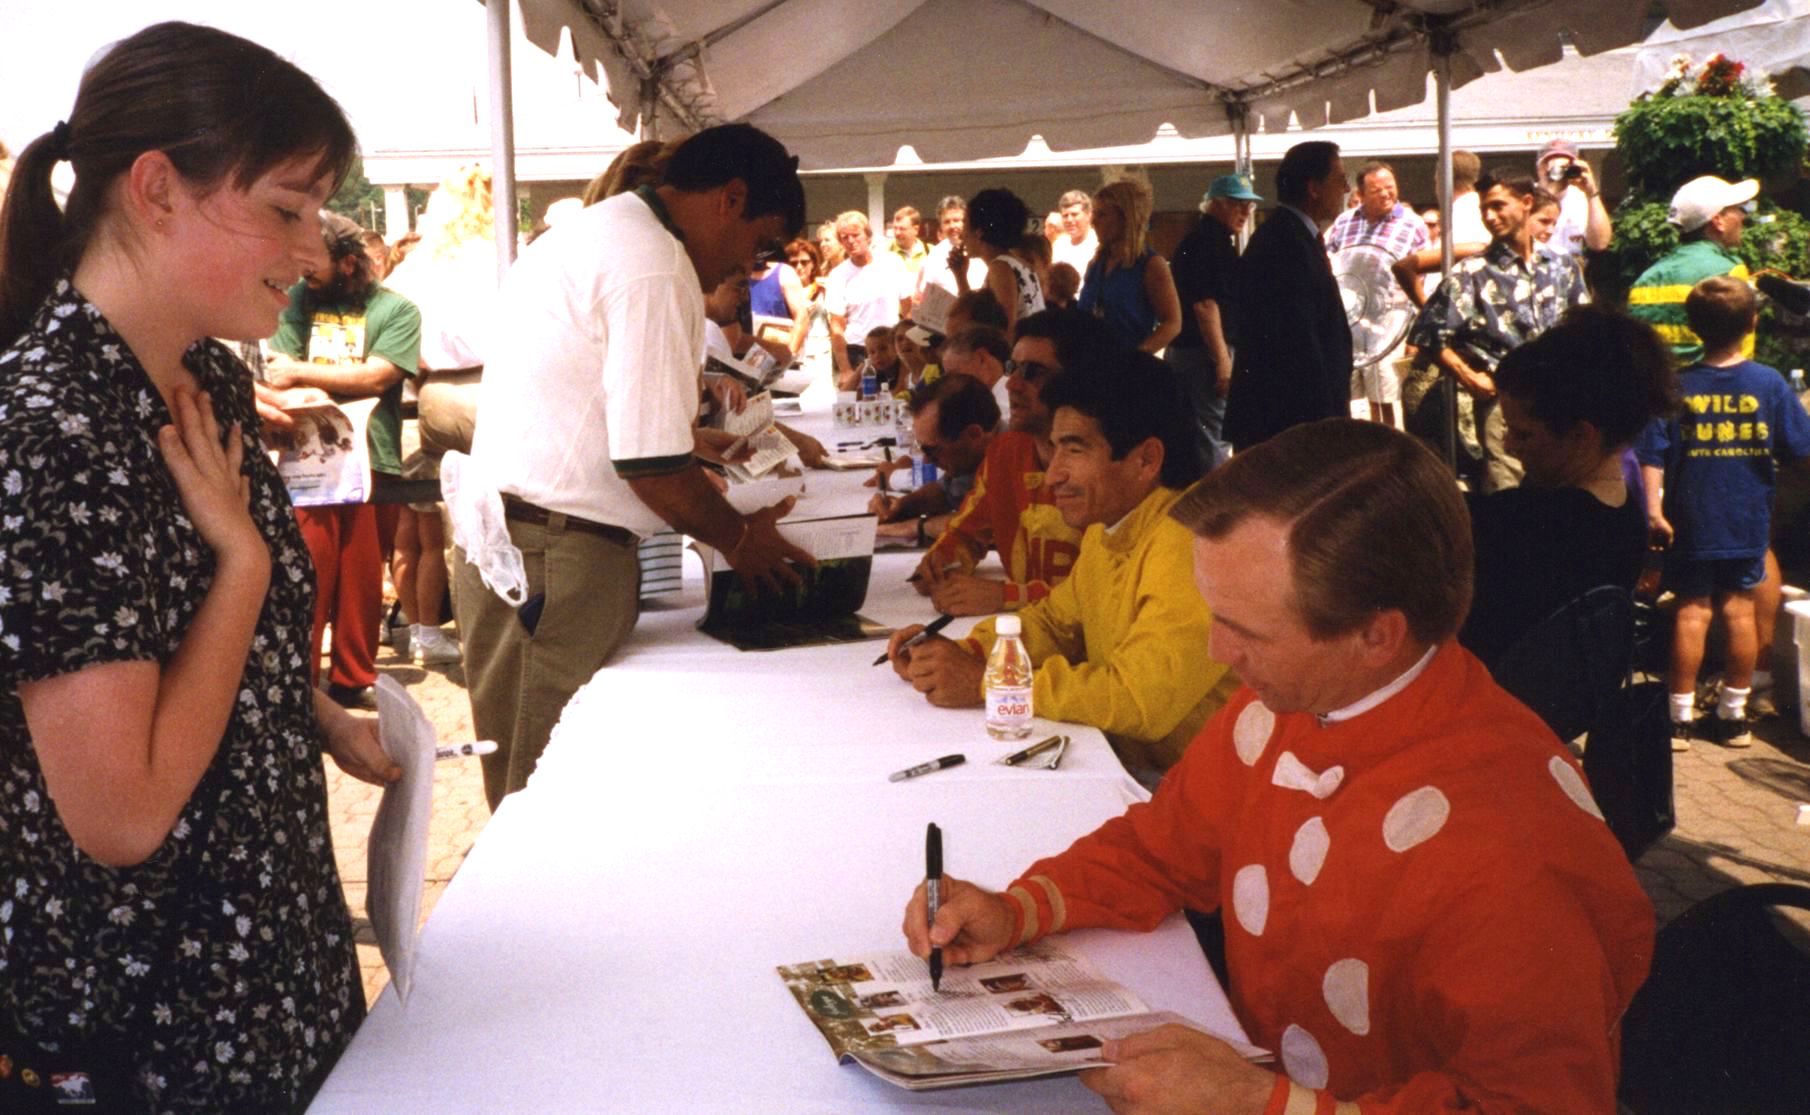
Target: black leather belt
point(514, 507)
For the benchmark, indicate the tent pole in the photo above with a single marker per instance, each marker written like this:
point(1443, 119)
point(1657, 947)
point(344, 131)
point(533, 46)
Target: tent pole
point(649, 117)
point(1239, 114)
point(1443, 44)
point(502, 133)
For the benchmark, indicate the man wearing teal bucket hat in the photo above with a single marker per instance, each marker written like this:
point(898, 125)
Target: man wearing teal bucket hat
point(1204, 261)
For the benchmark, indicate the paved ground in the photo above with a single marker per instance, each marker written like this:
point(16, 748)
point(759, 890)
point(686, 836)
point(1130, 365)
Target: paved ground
point(1736, 814)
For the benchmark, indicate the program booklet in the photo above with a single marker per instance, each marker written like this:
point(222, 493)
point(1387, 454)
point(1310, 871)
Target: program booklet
point(1035, 1011)
point(822, 608)
point(756, 431)
point(326, 459)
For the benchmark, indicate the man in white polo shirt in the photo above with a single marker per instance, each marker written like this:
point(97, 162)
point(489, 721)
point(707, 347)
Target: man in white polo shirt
point(867, 290)
point(588, 402)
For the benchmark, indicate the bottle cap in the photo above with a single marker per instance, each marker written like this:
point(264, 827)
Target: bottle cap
point(1007, 625)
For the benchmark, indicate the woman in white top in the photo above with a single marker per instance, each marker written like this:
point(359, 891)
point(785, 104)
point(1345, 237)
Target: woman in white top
point(997, 222)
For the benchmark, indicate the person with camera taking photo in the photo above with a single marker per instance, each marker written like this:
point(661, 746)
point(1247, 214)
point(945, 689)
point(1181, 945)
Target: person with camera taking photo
point(1583, 218)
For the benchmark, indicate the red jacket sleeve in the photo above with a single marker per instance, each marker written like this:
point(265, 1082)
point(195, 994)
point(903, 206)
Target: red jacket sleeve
point(1138, 868)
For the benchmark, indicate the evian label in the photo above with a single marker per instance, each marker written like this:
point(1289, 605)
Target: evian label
point(1009, 704)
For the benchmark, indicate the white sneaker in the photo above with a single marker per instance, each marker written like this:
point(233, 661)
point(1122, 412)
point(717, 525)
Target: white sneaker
point(430, 646)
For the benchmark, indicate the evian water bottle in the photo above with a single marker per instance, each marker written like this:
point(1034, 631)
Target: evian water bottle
point(1008, 683)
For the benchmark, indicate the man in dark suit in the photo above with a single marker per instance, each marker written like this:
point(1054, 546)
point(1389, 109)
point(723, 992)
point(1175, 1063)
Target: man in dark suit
point(1294, 355)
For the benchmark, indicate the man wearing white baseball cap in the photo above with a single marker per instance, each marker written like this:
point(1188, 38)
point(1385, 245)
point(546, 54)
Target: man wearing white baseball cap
point(1710, 214)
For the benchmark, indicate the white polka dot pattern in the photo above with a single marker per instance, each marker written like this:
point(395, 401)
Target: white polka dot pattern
point(1572, 783)
point(1415, 818)
point(1251, 898)
point(1346, 987)
point(1308, 853)
point(1303, 1059)
point(1252, 732)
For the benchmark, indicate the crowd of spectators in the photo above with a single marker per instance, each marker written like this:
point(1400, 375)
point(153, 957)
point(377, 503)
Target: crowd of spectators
point(1257, 597)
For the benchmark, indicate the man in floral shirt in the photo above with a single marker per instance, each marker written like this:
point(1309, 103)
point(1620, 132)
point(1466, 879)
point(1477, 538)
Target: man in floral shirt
point(1490, 304)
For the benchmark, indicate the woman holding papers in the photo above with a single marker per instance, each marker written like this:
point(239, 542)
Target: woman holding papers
point(176, 936)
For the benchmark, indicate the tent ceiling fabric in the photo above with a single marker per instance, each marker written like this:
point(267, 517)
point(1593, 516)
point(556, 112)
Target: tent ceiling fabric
point(847, 84)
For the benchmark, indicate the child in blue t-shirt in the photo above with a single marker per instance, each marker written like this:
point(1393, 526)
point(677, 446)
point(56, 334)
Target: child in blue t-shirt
point(1709, 479)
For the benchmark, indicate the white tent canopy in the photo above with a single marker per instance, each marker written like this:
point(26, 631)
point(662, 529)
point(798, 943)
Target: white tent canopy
point(844, 83)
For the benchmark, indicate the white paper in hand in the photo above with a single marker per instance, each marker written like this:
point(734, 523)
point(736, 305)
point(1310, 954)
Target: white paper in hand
point(397, 852)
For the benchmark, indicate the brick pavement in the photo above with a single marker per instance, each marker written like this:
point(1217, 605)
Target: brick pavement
point(1736, 814)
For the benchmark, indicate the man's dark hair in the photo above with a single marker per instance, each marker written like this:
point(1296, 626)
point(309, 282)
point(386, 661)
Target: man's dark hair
point(1596, 366)
point(1301, 164)
point(715, 155)
point(341, 235)
point(999, 217)
point(983, 338)
point(222, 109)
point(981, 307)
point(1370, 168)
point(1721, 310)
point(1515, 180)
point(1078, 336)
point(1134, 397)
point(961, 401)
point(343, 239)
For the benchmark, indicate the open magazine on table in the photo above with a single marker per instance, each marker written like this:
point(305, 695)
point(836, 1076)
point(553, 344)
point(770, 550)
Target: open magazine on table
point(822, 608)
point(1035, 1011)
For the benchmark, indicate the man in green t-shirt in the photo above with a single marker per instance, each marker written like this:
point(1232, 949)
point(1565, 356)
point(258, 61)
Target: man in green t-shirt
point(345, 334)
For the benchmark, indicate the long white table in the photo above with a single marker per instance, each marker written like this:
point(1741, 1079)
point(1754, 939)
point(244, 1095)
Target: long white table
point(701, 816)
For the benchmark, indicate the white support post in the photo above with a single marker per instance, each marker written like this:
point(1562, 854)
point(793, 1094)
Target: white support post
point(1240, 116)
point(876, 204)
point(1444, 44)
point(396, 212)
point(502, 133)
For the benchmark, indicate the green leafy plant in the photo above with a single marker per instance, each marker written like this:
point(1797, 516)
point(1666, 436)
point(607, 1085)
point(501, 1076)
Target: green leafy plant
point(1718, 118)
point(1667, 141)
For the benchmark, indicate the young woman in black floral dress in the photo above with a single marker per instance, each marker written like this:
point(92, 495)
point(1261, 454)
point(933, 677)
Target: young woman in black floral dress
point(173, 934)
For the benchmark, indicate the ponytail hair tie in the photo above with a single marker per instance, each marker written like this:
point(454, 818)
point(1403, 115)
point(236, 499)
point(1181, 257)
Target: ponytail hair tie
point(59, 139)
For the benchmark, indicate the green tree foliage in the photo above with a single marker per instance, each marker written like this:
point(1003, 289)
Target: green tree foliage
point(358, 200)
point(1714, 119)
point(1667, 141)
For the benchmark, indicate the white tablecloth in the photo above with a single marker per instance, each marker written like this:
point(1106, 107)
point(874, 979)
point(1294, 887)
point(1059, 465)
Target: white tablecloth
point(701, 816)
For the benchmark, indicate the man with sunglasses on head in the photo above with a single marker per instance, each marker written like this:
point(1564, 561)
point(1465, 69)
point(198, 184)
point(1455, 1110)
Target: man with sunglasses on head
point(1010, 509)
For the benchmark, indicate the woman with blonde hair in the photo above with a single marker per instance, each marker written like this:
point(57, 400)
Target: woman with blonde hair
point(1129, 286)
point(451, 278)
